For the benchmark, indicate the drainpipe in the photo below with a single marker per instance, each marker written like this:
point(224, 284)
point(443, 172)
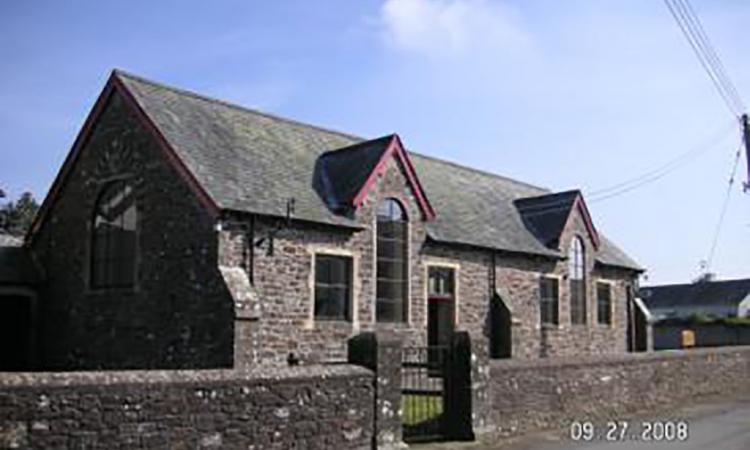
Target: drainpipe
point(493, 281)
point(250, 245)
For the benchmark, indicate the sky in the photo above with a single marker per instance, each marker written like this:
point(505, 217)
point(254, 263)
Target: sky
point(574, 94)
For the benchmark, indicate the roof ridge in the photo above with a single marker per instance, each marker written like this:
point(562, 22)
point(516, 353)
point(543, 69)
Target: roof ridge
point(696, 283)
point(123, 73)
point(355, 146)
point(557, 194)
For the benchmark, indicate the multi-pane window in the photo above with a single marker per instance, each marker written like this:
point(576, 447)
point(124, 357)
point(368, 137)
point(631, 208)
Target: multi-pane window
point(392, 260)
point(113, 247)
point(441, 282)
point(577, 276)
point(548, 300)
point(333, 287)
point(603, 303)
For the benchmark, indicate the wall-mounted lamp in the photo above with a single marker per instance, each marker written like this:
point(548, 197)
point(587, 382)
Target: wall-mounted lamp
point(280, 225)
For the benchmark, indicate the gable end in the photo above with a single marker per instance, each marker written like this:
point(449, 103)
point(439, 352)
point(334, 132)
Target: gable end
point(115, 86)
point(396, 149)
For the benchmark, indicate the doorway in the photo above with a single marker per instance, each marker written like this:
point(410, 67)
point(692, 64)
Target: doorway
point(500, 329)
point(15, 332)
point(441, 306)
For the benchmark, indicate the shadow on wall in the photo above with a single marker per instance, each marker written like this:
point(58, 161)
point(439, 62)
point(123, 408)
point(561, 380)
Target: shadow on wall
point(500, 329)
point(17, 331)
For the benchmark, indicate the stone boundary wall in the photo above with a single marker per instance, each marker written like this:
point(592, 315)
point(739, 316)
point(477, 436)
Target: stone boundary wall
point(533, 395)
point(317, 407)
point(669, 335)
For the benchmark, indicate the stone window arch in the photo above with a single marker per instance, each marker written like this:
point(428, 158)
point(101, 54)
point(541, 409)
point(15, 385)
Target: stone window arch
point(392, 270)
point(114, 237)
point(577, 278)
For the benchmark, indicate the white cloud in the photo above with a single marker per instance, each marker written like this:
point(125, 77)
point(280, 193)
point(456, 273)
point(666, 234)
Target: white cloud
point(443, 28)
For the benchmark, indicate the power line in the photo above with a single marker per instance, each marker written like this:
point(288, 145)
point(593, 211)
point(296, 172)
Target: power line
point(692, 28)
point(641, 180)
point(706, 53)
point(693, 31)
point(723, 212)
point(669, 166)
point(713, 54)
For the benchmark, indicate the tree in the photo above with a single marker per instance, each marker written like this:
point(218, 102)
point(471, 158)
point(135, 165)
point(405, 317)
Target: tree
point(16, 217)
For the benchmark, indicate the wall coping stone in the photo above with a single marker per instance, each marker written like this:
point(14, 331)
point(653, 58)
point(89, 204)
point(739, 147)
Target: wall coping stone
point(627, 358)
point(253, 375)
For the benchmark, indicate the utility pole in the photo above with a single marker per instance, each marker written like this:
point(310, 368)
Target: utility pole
point(746, 140)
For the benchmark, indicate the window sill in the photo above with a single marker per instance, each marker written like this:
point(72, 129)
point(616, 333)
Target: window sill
point(329, 324)
point(114, 289)
point(393, 325)
point(321, 321)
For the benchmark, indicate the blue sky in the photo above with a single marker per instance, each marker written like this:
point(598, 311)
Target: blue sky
point(567, 94)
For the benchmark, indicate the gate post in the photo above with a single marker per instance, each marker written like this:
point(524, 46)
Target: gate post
point(382, 355)
point(457, 389)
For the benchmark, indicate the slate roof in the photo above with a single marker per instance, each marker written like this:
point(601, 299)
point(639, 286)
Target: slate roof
point(340, 174)
point(252, 161)
point(705, 293)
point(546, 215)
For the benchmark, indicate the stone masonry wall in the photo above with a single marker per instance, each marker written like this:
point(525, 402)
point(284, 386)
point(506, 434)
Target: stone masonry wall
point(315, 407)
point(553, 392)
point(284, 285)
point(179, 314)
point(518, 280)
point(284, 322)
point(284, 289)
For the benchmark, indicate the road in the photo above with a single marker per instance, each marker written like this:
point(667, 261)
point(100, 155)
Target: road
point(714, 427)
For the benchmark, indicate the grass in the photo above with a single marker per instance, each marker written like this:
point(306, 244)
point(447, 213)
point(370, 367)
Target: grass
point(421, 408)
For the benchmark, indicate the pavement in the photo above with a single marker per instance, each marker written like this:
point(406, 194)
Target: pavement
point(721, 425)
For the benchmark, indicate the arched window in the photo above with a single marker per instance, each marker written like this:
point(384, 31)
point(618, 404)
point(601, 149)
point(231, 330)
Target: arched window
point(113, 246)
point(392, 259)
point(577, 276)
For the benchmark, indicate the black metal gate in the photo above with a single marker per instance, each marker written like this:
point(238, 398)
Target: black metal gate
point(436, 401)
point(423, 374)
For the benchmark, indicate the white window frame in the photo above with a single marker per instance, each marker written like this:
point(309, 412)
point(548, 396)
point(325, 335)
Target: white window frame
point(354, 291)
point(612, 290)
point(560, 279)
point(456, 267)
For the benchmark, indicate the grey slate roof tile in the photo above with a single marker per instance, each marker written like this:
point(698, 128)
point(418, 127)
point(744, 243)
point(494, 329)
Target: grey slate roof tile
point(718, 293)
point(340, 174)
point(252, 161)
point(546, 215)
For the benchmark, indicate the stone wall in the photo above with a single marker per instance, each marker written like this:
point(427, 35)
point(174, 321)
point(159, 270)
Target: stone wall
point(283, 285)
point(283, 281)
point(668, 334)
point(530, 395)
point(317, 407)
point(179, 313)
point(518, 286)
